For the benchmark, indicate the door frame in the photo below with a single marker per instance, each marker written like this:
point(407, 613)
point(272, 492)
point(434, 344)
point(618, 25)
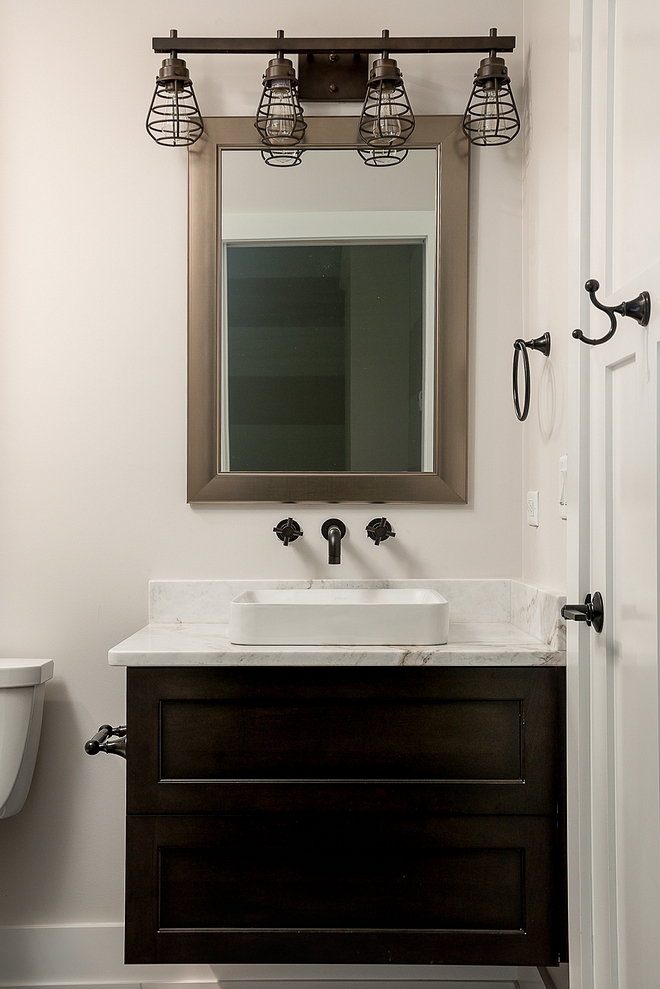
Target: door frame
point(578, 672)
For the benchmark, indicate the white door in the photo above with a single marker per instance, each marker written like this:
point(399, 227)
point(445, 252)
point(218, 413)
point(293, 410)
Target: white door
point(613, 677)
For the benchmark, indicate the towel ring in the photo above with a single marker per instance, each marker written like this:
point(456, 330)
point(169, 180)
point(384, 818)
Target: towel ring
point(521, 346)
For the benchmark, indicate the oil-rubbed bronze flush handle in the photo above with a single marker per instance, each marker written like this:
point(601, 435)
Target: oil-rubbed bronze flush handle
point(99, 742)
point(638, 309)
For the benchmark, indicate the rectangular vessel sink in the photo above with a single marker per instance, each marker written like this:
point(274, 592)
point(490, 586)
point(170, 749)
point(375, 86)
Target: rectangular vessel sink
point(339, 617)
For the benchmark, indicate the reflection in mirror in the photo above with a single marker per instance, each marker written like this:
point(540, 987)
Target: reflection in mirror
point(327, 339)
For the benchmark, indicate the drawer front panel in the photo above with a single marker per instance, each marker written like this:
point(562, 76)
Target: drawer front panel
point(437, 739)
point(281, 884)
point(341, 740)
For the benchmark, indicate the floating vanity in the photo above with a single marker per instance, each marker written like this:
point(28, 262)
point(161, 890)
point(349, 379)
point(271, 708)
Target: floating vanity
point(298, 804)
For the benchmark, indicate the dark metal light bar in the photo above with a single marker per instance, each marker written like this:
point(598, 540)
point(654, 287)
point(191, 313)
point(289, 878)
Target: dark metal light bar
point(305, 46)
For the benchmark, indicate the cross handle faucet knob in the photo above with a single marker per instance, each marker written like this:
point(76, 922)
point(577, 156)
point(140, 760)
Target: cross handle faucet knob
point(288, 531)
point(379, 530)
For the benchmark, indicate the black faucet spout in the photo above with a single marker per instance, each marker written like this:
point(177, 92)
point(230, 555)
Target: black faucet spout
point(334, 545)
point(334, 531)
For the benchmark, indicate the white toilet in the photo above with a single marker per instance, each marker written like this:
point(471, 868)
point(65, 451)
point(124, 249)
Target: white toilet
point(22, 686)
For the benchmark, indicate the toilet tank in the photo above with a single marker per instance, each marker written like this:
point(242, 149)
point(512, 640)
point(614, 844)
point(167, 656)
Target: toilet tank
point(22, 685)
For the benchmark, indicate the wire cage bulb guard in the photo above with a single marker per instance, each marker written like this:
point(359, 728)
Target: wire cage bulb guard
point(387, 119)
point(491, 116)
point(174, 119)
point(280, 119)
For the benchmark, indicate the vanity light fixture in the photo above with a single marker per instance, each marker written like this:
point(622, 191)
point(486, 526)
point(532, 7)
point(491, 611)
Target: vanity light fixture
point(387, 119)
point(280, 119)
point(174, 118)
point(491, 116)
point(332, 75)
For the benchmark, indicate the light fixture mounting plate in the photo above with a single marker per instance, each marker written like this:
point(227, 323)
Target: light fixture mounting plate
point(338, 76)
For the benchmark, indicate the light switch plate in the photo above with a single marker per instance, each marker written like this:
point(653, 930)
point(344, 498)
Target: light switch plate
point(532, 508)
point(563, 472)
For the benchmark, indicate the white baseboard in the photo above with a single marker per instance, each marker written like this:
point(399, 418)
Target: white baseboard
point(88, 956)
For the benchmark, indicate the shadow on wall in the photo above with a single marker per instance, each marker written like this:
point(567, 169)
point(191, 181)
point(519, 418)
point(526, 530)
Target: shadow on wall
point(550, 399)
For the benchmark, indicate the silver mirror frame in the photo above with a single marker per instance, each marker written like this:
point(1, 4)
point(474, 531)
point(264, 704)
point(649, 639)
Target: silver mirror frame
point(447, 483)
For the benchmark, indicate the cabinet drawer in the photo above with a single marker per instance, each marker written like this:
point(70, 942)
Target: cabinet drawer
point(443, 740)
point(342, 888)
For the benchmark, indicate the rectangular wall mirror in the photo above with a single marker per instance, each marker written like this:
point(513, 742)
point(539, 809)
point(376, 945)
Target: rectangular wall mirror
point(328, 318)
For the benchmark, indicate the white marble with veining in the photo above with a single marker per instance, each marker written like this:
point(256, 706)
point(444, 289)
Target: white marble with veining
point(538, 611)
point(492, 622)
point(208, 600)
point(207, 644)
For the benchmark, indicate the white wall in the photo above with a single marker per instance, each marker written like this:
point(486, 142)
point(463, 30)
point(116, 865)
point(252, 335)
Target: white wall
point(93, 384)
point(545, 274)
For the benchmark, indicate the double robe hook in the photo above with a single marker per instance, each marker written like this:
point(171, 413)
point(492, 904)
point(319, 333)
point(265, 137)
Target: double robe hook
point(639, 309)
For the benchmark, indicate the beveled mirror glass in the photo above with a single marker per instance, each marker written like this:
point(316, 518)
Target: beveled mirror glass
point(328, 318)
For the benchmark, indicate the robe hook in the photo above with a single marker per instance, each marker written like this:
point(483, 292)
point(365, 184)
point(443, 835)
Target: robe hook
point(639, 309)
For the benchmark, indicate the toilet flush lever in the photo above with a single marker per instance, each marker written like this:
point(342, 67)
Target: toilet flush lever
point(99, 742)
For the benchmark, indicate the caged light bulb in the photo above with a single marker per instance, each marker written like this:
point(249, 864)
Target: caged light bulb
point(174, 119)
point(387, 120)
point(387, 125)
point(491, 116)
point(489, 123)
point(281, 118)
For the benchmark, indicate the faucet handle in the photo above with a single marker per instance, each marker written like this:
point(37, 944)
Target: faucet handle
point(288, 531)
point(379, 530)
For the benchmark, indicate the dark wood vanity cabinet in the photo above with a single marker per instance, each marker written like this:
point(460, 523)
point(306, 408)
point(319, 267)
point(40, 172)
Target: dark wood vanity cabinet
point(362, 815)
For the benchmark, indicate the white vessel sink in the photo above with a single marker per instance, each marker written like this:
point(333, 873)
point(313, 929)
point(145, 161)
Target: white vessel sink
point(339, 617)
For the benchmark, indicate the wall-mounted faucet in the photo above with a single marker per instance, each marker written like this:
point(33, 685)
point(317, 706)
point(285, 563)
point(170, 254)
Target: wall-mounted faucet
point(334, 531)
point(379, 530)
point(288, 531)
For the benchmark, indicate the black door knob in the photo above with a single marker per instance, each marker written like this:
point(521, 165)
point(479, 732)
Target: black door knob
point(592, 611)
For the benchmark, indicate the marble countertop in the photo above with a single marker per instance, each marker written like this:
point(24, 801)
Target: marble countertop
point(207, 644)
